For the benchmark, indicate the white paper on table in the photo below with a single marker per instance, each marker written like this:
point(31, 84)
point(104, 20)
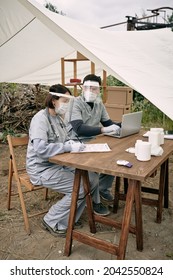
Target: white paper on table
point(131, 150)
point(166, 136)
point(146, 134)
point(94, 148)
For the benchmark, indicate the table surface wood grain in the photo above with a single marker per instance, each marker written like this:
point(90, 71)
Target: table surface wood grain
point(105, 162)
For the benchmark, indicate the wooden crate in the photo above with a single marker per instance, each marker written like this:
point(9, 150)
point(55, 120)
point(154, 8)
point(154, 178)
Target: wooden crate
point(119, 95)
point(116, 111)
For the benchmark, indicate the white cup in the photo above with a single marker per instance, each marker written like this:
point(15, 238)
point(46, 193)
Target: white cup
point(144, 151)
point(136, 146)
point(154, 138)
point(161, 131)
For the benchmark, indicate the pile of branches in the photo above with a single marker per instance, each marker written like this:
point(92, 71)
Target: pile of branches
point(18, 104)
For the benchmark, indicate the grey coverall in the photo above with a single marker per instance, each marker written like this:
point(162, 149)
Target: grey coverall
point(44, 143)
point(93, 117)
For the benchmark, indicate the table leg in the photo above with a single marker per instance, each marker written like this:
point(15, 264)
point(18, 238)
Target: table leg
point(86, 184)
point(116, 195)
point(126, 219)
point(138, 217)
point(161, 191)
point(72, 215)
point(125, 185)
point(166, 190)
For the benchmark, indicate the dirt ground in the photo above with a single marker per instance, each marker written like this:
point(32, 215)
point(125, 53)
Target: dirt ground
point(15, 244)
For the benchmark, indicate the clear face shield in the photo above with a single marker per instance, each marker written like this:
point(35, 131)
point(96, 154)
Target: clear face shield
point(63, 102)
point(91, 90)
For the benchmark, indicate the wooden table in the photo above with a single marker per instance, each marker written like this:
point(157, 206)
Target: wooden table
point(106, 163)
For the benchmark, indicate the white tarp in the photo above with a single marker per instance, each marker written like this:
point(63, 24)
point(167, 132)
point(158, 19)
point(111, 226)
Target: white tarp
point(33, 40)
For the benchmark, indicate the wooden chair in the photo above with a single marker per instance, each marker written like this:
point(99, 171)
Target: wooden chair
point(21, 178)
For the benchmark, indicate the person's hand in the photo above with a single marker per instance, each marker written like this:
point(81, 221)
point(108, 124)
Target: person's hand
point(111, 129)
point(77, 147)
point(67, 145)
point(73, 146)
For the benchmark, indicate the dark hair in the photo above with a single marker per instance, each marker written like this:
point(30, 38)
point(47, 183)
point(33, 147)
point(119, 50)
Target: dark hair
point(92, 77)
point(57, 89)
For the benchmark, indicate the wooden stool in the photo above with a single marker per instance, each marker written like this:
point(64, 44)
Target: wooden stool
point(133, 197)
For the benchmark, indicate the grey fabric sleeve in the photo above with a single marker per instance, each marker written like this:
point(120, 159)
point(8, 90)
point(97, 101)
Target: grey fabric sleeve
point(39, 127)
point(110, 122)
point(47, 150)
point(85, 130)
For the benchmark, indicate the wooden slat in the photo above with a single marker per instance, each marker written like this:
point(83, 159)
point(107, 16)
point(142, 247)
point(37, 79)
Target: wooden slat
point(19, 141)
point(112, 223)
point(95, 242)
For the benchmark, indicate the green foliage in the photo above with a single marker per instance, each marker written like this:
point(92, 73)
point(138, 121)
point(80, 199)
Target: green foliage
point(6, 90)
point(152, 116)
point(3, 135)
point(5, 87)
point(112, 81)
point(53, 8)
point(170, 20)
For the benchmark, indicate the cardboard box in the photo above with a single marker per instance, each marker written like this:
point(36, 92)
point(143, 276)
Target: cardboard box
point(119, 95)
point(116, 111)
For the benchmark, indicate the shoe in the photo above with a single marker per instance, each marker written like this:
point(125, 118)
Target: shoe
point(54, 231)
point(60, 232)
point(100, 209)
point(78, 225)
point(107, 197)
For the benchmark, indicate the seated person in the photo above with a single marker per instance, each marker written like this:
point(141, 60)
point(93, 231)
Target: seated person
point(87, 118)
point(48, 137)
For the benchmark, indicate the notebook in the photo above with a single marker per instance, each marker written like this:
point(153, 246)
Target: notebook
point(131, 124)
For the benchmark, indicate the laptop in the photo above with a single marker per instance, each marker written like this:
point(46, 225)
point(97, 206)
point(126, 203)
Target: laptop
point(131, 124)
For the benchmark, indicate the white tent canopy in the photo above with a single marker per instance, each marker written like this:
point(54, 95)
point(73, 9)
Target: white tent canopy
point(33, 40)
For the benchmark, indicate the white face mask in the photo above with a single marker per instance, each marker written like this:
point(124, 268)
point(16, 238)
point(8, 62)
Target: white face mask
point(89, 96)
point(61, 109)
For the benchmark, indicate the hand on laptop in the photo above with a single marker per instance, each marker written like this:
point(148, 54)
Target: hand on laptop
point(111, 129)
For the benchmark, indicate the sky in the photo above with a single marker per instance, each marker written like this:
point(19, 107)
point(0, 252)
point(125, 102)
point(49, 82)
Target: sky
point(107, 12)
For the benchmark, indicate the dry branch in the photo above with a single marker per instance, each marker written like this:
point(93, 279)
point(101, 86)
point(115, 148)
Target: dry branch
point(18, 104)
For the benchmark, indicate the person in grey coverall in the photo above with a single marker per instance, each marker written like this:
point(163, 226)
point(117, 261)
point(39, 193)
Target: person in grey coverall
point(87, 117)
point(47, 137)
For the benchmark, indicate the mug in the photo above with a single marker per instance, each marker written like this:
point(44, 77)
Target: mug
point(144, 151)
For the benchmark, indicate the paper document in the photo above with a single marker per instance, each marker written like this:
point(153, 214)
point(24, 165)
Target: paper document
point(94, 148)
point(166, 136)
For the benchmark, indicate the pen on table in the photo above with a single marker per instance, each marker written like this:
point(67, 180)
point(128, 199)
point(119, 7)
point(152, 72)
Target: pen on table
point(82, 143)
point(77, 138)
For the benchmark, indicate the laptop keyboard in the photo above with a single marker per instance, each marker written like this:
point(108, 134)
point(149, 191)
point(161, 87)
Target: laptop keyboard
point(113, 133)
